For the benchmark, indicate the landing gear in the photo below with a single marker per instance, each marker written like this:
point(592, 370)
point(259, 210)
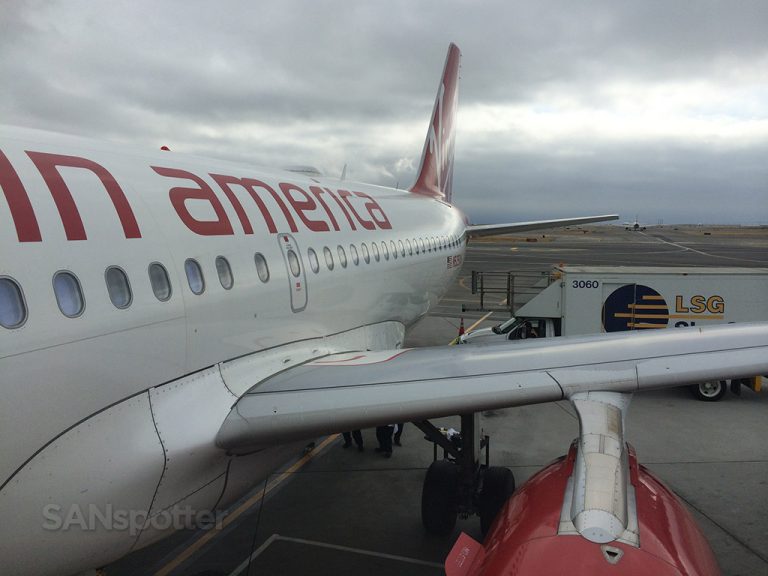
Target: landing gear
point(498, 485)
point(439, 497)
point(459, 484)
point(710, 391)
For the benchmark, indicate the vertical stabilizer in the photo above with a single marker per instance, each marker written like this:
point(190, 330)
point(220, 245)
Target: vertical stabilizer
point(435, 176)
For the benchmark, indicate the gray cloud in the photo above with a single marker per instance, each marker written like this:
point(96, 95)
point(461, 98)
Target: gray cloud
point(330, 82)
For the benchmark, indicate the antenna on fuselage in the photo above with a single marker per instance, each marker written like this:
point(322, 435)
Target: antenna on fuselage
point(343, 173)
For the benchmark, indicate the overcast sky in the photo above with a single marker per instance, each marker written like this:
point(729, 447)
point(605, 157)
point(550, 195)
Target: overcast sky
point(651, 108)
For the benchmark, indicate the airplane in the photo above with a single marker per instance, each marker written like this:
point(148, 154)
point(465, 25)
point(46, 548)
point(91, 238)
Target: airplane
point(167, 323)
point(635, 226)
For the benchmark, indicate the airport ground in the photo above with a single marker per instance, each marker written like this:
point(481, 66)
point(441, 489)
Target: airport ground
point(339, 511)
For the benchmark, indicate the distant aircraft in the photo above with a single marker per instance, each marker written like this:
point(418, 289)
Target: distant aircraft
point(635, 226)
point(167, 324)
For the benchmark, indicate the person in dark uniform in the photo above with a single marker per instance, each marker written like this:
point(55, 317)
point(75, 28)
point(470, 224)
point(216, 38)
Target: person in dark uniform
point(357, 435)
point(384, 436)
point(528, 331)
point(399, 433)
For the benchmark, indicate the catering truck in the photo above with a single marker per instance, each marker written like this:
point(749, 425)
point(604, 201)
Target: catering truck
point(593, 299)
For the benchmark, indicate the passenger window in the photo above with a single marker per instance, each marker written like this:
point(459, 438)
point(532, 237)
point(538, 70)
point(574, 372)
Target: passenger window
point(366, 254)
point(225, 272)
point(313, 263)
point(355, 255)
point(69, 296)
point(158, 278)
point(410, 246)
point(375, 249)
point(194, 276)
point(13, 312)
point(385, 250)
point(261, 267)
point(328, 257)
point(293, 263)
point(402, 248)
point(118, 287)
point(418, 249)
point(342, 256)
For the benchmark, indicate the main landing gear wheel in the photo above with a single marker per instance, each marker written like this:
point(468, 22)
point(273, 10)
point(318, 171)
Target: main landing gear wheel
point(711, 391)
point(439, 497)
point(498, 486)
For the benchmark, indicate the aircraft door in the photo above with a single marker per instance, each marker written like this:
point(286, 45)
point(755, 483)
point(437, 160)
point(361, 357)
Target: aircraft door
point(297, 279)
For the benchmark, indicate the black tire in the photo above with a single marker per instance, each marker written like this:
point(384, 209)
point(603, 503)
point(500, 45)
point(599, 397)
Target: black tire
point(439, 497)
point(709, 391)
point(498, 486)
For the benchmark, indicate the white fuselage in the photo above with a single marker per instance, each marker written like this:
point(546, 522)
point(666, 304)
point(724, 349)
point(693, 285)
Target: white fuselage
point(121, 406)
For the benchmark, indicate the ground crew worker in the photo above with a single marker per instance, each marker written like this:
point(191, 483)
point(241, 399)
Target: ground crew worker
point(384, 436)
point(358, 437)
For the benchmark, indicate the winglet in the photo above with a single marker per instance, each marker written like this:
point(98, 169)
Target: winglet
point(466, 554)
point(436, 169)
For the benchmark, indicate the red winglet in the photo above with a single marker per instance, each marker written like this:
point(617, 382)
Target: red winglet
point(465, 555)
point(436, 170)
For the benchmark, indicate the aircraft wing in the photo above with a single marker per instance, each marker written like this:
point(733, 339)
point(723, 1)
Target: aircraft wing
point(363, 389)
point(495, 229)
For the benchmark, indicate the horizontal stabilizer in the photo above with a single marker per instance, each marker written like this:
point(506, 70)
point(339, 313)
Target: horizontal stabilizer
point(365, 389)
point(495, 229)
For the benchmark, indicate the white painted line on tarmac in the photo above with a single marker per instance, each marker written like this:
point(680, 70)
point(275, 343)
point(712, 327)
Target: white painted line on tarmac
point(689, 249)
point(257, 498)
point(244, 564)
point(275, 537)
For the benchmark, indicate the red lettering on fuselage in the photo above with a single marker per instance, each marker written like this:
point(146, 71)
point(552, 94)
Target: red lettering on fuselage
point(367, 224)
point(48, 165)
point(250, 185)
point(373, 208)
point(343, 208)
point(22, 213)
point(318, 192)
point(221, 226)
point(312, 209)
point(302, 206)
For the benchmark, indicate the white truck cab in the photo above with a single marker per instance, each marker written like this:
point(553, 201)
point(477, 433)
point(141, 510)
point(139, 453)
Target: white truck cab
point(516, 328)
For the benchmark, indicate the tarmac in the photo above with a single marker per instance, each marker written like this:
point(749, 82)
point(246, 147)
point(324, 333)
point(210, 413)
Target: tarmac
point(340, 511)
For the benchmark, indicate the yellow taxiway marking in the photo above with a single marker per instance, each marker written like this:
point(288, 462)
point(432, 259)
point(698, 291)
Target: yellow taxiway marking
point(245, 506)
point(478, 322)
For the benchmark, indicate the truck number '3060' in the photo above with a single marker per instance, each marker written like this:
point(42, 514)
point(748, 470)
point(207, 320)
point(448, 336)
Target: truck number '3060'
point(586, 283)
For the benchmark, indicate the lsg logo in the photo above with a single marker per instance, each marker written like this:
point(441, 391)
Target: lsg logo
point(638, 307)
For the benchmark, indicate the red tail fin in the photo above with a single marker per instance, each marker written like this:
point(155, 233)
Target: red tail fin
point(436, 170)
